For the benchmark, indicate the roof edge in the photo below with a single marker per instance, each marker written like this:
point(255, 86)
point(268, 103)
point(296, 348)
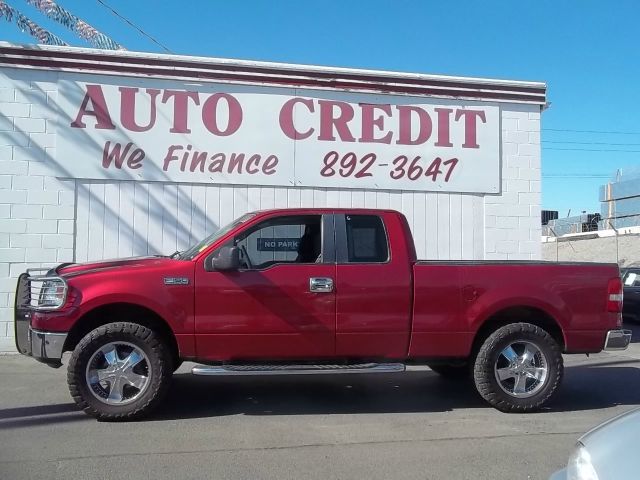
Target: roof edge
point(283, 74)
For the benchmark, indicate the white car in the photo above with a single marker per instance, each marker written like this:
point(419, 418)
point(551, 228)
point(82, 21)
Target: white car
point(608, 452)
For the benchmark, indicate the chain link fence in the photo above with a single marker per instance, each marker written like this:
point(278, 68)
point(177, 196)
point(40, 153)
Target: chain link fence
point(614, 244)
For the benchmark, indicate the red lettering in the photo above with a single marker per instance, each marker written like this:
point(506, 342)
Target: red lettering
point(286, 118)
point(217, 163)
point(128, 108)
point(269, 165)
point(209, 115)
point(99, 109)
point(444, 139)
point(470, 126)
point(170, 157)
point(370, 123)
point(329, 122)
point(252, 164)
point(135, 160)
point(235, 162)
point(117, 155)
point(425, 126)
point(180, 108)
point(198, 160)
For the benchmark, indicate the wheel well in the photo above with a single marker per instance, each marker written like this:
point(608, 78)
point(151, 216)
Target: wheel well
point(122, 312)
point(532, 315)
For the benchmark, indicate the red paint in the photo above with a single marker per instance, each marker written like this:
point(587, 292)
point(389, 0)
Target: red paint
point(94, 104)
point(405, 128)
point(444, 117)
point(400, 309)
point(209, 114)
point(128, 108)
point(373, 123)
point(286, 118)
point(471, 126)
point(335, 118)
point(180, 108)
point(186, 68)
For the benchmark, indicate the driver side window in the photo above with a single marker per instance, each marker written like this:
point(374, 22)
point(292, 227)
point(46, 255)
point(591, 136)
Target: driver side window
point(291, 239)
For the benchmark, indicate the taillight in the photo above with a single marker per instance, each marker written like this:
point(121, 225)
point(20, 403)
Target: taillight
point(614, 295)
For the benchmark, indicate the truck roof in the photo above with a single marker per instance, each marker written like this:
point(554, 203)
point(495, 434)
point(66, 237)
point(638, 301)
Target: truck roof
point(320, 210)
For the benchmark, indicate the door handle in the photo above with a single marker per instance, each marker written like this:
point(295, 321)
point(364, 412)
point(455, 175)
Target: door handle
point(321, 284)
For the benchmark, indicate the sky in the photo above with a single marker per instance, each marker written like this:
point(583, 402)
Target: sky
point(586, 51)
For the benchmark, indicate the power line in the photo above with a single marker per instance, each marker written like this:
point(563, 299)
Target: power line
point(591, 143)
point(133, 25)
point(611, 132)
point(591, 150)
point(567, 175)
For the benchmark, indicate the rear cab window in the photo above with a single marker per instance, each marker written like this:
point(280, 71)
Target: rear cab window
point(366, 240)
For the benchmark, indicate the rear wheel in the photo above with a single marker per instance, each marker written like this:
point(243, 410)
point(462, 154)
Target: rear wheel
point(518, 368)
point(119, 371)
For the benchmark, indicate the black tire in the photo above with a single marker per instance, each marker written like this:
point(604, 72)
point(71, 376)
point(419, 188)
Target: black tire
point(484, 372)
point(158, 367)
point(451, 372)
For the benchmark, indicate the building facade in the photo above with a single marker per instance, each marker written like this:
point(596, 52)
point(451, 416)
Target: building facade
point(117, 154)
point(620, 201)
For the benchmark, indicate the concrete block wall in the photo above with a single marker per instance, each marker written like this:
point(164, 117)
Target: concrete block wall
point(39, 216)
point(512, 219)
point(36, 208)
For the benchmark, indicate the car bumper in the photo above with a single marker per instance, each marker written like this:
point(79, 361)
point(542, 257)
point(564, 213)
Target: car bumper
point(46, 347)
point(617, 340)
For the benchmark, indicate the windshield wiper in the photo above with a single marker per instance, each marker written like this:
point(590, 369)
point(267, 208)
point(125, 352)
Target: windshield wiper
point(175, 254)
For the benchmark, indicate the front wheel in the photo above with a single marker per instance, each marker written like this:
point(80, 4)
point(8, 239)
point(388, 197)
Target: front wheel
point(518, 368)
point(119, 371)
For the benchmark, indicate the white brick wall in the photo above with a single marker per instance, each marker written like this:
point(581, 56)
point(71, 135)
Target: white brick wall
point(35, 209)
point(38, 214)
point(512, 219)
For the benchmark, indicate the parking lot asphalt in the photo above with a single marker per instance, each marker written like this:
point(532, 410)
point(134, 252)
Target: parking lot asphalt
point(413, 425)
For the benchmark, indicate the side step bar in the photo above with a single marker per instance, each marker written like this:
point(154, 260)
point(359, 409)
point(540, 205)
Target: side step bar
point(226, 370)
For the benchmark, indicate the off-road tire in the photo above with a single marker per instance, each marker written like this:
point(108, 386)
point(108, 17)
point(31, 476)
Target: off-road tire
point(158, 357)
point(484, 374)
point(451, 372)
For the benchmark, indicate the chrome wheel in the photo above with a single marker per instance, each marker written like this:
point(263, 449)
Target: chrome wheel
point(521, 369)
point(118, 373)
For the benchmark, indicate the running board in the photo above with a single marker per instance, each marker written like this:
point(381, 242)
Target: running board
point(227, 370)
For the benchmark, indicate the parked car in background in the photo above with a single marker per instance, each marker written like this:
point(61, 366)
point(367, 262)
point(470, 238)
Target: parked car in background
point(608, 452)
point(631, 284)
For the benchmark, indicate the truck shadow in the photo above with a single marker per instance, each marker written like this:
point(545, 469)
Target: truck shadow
point(585, 387)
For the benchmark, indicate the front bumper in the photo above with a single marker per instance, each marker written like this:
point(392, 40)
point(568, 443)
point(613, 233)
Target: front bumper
point(617, 340)
point(46, 347)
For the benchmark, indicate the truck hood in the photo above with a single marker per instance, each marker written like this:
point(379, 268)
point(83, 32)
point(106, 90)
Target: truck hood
point(75, 269)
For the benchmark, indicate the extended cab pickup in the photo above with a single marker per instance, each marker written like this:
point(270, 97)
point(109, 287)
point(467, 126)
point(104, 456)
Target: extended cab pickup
point(302, 291)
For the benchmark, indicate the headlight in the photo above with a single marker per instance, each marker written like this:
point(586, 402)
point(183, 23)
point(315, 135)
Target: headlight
point(580, 466)
point(52, 294)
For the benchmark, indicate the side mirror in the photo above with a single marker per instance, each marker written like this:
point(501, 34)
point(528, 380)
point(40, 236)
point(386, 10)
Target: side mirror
point(228, 259)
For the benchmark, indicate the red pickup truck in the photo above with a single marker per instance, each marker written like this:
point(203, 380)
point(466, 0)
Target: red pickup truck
point(307, 291)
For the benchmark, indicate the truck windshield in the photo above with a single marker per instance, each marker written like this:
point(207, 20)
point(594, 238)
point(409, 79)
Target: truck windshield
point(197, 248)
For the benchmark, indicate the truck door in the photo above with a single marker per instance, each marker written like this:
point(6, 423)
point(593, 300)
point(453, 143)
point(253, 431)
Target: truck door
point(281, 303)
point(373, 287)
